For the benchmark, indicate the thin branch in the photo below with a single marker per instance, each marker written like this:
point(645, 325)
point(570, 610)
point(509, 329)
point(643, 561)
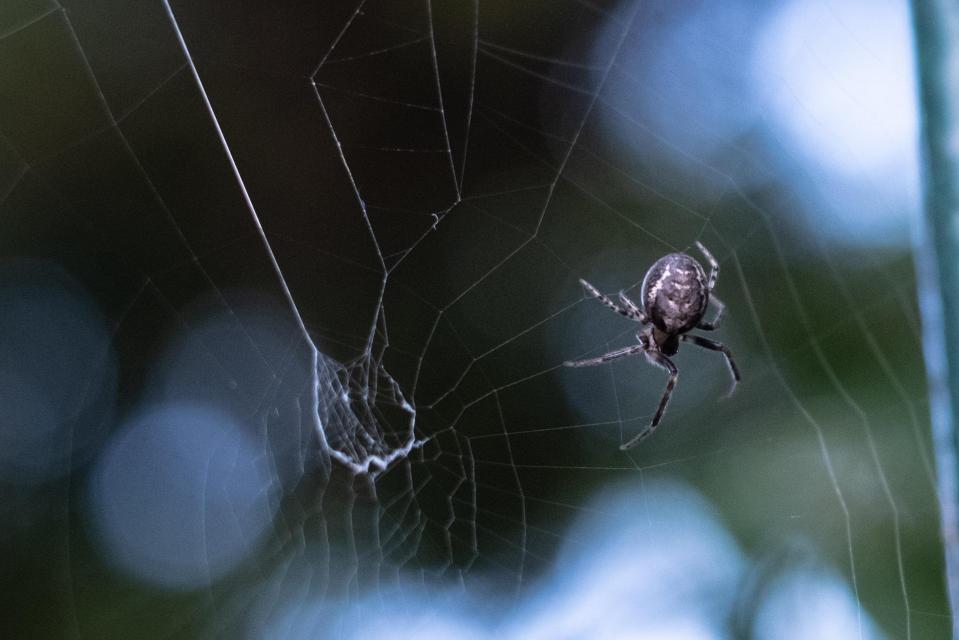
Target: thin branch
point(936, 24)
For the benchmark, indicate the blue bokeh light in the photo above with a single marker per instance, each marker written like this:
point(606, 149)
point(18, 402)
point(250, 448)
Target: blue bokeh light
point(179, 497)
point(57, 373)
point(837, 84)
point(644, 561)
point(678, 100)
point(807, 603)
point(816, 100)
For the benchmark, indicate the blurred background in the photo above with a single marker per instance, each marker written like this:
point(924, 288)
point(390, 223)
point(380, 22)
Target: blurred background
point(287, 288)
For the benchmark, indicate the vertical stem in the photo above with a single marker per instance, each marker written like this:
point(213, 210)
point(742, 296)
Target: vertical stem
point(936, 24)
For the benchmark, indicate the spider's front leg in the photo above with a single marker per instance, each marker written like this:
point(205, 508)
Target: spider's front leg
point(712, 345)
point(658, 359)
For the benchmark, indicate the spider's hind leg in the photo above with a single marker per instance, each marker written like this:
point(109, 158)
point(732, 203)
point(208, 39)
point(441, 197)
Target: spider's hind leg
point(717, 320)
point(632, 307)
point(631, 311)
point(713, 265)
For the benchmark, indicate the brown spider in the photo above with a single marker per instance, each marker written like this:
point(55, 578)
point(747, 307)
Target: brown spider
point(676, 294)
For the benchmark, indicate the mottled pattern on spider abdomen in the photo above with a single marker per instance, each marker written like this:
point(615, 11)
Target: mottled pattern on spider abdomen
point(675, 293)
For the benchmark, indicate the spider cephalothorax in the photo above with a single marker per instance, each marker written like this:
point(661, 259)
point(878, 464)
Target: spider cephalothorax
point(676, 293)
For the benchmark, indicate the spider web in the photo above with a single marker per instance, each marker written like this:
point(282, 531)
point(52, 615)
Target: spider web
point(356, 231)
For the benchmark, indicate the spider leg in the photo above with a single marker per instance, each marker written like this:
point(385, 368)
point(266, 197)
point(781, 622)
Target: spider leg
point(717, 319)
point(632, 308)
point(662, 361)
point(628, 312)
point(712, 345)
point(713, 265)
point(612, 355)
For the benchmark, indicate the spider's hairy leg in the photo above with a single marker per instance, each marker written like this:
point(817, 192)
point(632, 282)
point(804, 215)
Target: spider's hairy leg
point(593, 291)
point(717, 319)
point(662, 361)
point(636, 312)
point(713, 265)
point(612, 355)
point(712, 345)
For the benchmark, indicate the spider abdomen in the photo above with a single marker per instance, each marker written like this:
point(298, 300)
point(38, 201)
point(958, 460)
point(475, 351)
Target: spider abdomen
point(675, 294)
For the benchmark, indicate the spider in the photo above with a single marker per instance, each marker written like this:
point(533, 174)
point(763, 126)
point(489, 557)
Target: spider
point(676, 293)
